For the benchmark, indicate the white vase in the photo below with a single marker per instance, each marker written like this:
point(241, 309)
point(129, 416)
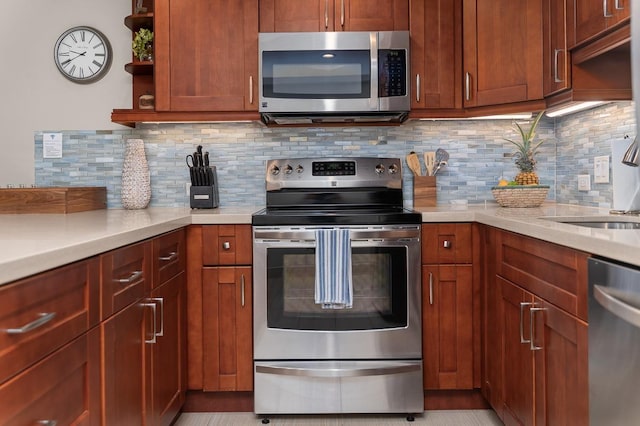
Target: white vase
point(136, 181)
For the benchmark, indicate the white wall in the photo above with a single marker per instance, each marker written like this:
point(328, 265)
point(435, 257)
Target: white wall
point(35, 96)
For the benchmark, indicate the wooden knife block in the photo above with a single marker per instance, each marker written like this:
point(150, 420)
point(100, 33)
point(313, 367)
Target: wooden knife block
point(424, 191)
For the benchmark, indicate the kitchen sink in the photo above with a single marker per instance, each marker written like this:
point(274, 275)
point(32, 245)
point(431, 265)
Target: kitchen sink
point(597, 222)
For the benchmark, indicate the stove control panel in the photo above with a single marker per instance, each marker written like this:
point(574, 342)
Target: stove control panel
point(334, 172)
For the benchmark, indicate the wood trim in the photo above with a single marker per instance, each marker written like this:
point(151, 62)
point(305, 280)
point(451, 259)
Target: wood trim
point(218, 402)
point(455, 400)
point(194, 307)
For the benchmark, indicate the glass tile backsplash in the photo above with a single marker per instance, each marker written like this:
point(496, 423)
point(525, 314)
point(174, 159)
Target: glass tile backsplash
point(479, 155)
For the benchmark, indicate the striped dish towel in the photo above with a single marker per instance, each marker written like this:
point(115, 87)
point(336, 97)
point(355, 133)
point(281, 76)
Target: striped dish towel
point(334, 287)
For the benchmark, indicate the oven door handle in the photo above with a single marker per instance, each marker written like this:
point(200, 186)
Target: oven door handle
point(324, 371)
point(355, 235)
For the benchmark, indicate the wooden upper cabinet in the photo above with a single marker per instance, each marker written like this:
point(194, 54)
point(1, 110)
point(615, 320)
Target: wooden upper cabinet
point(556, 57)
point(436, 54)
point(593, 17)
point(206, 55)
point(333, 15)
point(502, 51)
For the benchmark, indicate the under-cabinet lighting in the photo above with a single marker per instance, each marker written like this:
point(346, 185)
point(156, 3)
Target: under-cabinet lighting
point(523, 116)
point(573, 107)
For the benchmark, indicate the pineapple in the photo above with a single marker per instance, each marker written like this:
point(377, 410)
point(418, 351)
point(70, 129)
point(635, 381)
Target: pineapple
point(525, 154)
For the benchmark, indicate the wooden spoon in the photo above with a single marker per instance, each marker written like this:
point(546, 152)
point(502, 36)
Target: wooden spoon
point(414, 163)
point(430, 162)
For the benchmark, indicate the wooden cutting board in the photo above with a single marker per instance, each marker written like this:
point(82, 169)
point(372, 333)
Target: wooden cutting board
point(52, 199)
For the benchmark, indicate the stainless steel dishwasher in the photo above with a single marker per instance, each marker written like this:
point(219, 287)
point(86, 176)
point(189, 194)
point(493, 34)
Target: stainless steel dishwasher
point(614, 343)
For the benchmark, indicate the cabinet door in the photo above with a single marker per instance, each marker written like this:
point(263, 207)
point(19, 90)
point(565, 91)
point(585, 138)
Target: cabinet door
point(371, 15)
point(517, 357)
point(168, 352)
point(436, 32)
point(296, 15)
point(122, 367)
point(447, 326)
point(333, 15)
point(206, 55)
point(502, 51)
point(227, 329)
point(561, 365)
point(593, 17)
point(556, 56)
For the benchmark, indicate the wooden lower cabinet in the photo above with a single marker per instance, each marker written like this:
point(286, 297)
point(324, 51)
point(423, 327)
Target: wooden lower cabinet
point(447, 326)
point(227, 329)
point(166, 355)
point(535, 353)
point(123, 337)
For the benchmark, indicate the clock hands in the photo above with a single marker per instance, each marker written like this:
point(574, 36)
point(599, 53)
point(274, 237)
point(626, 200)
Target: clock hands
point(77, 55)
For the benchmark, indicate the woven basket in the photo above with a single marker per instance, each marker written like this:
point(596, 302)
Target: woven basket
point(520, 195)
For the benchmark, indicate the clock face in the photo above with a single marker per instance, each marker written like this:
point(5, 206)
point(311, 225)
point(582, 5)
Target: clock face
point(82, 54)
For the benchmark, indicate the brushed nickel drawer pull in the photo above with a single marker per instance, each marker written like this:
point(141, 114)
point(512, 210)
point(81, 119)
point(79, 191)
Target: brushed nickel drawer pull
point(226, 245)
point(430, 288)
point(135, 276)
point(42, 319)
point(326, 14)
point(467, 86)
point(605, 7)
point(47, 422)
point(532, 344)
point(155, 328)
point(556, 53)
point(418, 88)
point(170, 258)
point(342, 14)
point(242, 291)
point(250, 90)
point(446, 244)
point(160, 301)
point(522, 339)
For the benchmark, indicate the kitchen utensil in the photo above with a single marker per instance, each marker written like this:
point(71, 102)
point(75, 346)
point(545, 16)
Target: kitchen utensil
point(430, 162)
point(442, 157)
point(414, 163)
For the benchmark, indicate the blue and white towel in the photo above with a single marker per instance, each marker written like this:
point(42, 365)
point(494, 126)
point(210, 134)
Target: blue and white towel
point(334, 286)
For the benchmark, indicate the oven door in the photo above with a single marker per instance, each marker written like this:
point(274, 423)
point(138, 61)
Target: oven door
point(385, 319)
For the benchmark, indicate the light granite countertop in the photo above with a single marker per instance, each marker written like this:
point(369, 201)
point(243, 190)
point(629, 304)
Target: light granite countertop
point(32, 243)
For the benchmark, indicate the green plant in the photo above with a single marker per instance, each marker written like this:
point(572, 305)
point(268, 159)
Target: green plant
point(142, 44)
point(526, 151)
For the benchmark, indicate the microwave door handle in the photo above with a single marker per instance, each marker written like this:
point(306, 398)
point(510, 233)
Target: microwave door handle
point(373, 44)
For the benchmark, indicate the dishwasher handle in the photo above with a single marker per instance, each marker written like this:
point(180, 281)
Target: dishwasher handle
point(617, 307)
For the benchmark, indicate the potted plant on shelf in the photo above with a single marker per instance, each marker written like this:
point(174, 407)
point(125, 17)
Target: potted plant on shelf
point(525, 190)
point(142, 44)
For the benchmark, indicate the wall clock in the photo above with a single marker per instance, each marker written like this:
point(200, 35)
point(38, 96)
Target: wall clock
point(82, 54)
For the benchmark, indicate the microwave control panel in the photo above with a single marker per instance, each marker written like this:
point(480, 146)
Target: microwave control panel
point(392, 72)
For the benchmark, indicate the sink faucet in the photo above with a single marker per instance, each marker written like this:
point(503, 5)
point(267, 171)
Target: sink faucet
point(631, 157)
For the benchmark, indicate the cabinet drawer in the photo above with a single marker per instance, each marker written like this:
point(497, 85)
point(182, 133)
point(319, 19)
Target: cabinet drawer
point(555, 273)
point(40, 314)
point(126, 273)
point(226, 245)
point(169, 256)
point(63, 388)
point(447, 243)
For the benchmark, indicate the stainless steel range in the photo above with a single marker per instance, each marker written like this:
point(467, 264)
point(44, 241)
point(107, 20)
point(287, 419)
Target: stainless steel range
point(337, 314)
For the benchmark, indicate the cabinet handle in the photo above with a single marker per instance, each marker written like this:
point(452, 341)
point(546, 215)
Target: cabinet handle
point(467, 86)
point(532, 312)
point(342, 14)
point(446, 244)
point(135, 275)
point(605, 9)
point(326, 14)
point(226, 245)
point(556, 54)
point(618, 6)
point(47, 422)
point(160, 301)
point(155, 330)
point(430, 288)
point(43, 318)
point(242, 290)
point(251, 90)
point(170, 258)
point(522, 305)
point(418, 88)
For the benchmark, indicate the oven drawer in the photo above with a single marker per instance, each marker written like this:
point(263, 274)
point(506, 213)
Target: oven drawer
point(302, 387)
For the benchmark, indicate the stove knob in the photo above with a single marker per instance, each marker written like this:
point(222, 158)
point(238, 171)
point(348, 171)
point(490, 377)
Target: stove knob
point(393, 169)
point(299, 169)
point(275, 170)
point(288, 169)
point(379, 169)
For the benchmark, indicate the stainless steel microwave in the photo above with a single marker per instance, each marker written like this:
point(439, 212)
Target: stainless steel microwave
point(334, 76)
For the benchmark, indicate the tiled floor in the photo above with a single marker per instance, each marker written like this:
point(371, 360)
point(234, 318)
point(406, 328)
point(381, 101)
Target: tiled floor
point(430, 418)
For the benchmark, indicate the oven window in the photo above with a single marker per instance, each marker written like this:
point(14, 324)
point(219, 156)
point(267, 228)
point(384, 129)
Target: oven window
point(379, 290)
point(313, 74)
